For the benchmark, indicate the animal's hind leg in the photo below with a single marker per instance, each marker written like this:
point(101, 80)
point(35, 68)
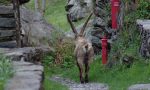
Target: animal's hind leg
point(81, 72)
point(86, 72)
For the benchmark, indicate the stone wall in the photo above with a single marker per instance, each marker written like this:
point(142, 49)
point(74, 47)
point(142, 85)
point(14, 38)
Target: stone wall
point(144, 27)
point(7, 24)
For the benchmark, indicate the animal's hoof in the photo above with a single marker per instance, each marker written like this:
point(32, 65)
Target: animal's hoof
point(82, 82)
point(86, 81)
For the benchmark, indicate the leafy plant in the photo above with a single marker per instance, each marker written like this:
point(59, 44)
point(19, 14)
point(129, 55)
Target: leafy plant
point(143, 10)
point(63, 55)
point(5, 70)
point(5, 1)
point(128, 41)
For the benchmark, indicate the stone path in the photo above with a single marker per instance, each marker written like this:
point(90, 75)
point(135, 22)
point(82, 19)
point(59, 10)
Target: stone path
point(75, 86)
point(27, 76)
point(28, 73)
point(140, 87)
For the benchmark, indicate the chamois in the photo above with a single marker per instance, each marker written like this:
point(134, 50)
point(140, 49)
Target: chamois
point(83, 51)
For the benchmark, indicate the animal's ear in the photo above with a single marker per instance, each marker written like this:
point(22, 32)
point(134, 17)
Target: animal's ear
point(85, 24)
point(71, 24)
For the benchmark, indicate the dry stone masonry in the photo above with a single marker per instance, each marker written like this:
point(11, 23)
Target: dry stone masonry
point(7, 24)
point(144, 27)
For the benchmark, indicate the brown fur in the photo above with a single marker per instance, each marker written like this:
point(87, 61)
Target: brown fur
point(83, 51)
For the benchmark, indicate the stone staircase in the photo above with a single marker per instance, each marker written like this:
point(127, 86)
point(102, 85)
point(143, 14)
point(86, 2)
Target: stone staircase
point(28, 72)
point(9, 25)
point(27, 76)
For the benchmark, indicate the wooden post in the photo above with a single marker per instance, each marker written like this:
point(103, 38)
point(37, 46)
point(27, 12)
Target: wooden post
point(18, 25)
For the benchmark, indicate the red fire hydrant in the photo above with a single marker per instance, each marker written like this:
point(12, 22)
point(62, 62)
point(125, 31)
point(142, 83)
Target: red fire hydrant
point(115, 4)
point(104, 50)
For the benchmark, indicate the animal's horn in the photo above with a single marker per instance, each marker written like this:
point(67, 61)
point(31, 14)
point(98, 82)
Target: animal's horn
point(85, 24)
point(71, 24)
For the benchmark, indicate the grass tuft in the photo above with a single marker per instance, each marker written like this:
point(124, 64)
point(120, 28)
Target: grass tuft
point(5, 70)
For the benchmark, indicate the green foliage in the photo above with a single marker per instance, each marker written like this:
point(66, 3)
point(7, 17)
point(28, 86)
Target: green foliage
point(55, 13)
point(118, 78)
point(63, 55)
point(128, 41)
point(5, 1)
point(50, 85)
point(143, 10)
point(57, 62)
point(49, 59)
point(5, 70)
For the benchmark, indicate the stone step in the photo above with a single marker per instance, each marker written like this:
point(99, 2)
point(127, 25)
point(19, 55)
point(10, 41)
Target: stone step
point(8, 44)
point(146, 26)
point(11, 28)
point(7, 33)
point(27, 76)
point(6, 10)
point(7, 23)
point(6, 39)
point(142, 22)
point(140, 87)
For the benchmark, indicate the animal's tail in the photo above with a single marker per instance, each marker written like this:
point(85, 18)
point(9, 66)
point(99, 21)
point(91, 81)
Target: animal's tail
point(86, 54)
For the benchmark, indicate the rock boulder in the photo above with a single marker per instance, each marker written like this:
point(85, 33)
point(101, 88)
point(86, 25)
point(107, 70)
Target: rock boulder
point(36, 31)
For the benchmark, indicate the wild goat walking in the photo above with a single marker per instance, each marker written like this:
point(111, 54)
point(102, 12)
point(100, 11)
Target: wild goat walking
point(83, 50)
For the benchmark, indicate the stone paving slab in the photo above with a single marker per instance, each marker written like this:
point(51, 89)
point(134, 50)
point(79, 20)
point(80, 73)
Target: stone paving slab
point(140, 87)
point(76, 86)
point(29, 54)
point(142, 22)
point(27, 76)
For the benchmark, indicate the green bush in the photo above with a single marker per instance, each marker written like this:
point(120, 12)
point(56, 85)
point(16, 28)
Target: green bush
point(128, 41)
point(5, 70)
point(143, 10)
point(5, 1)
point(63, 55)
